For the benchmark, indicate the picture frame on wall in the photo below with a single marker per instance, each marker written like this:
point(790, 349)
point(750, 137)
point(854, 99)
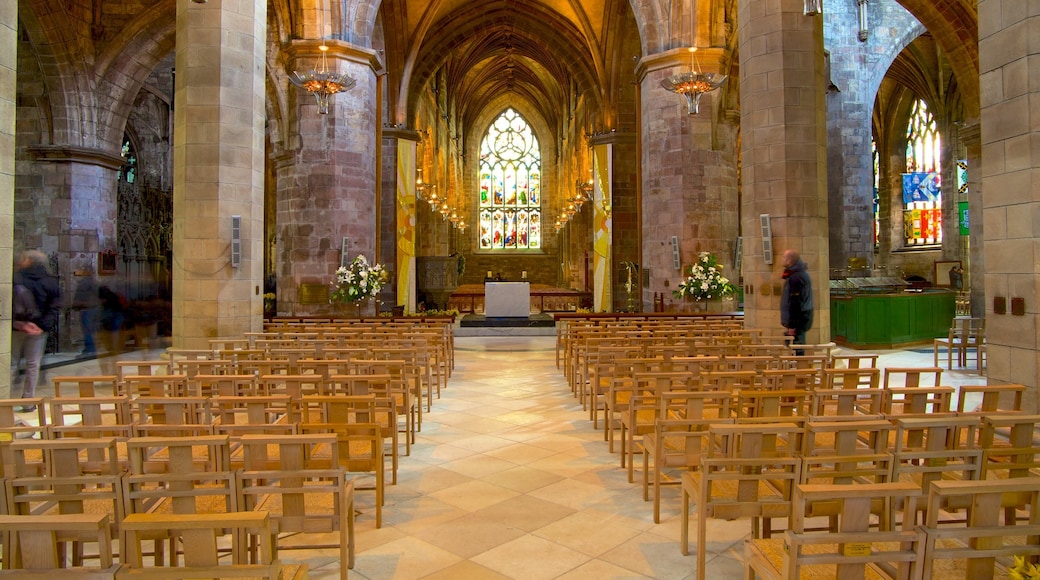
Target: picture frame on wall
point(942, 274)
point(106, 264)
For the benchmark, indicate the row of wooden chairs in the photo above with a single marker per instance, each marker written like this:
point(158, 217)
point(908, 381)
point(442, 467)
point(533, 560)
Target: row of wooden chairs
point(301, 481)
point(752, 471)
point(979, 549)
point(35, 547)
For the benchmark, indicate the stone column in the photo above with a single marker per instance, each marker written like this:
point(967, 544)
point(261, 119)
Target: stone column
point(688, 181)
point(328, 193)
point(8, 68)
point(783, 132)
point(1010, 78)
point(218, 169)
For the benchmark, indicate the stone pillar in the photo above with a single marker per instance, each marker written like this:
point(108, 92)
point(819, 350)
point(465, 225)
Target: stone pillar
point(1010, 77)
point(688, 182)
point(218, 169)
point(8, 68)
point(328, 194)
point(783, 129)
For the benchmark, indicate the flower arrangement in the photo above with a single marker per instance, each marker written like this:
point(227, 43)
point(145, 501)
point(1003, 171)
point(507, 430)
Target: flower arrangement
point(357, 281)
point(705, 281)
point(1023, 570)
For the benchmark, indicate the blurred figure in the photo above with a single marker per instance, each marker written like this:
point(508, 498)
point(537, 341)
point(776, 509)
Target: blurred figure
point(796, 299)
point(113, 319)
point(85, 300)
point(29, 338)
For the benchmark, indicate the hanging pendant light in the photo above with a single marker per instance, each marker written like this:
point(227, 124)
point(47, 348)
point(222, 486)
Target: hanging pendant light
point(321, 82)
point(693, 84)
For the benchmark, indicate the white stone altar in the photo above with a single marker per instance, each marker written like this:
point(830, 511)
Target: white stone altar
point(507, 299)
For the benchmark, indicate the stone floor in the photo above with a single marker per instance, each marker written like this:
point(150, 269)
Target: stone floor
point(508, 479)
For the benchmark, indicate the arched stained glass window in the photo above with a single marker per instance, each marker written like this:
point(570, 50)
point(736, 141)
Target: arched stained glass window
point(510, 185)
point(128, 172)
point(922, 194)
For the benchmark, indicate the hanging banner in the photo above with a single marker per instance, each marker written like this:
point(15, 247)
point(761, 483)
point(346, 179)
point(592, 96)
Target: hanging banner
point(920, 186)
point(406, 221)
point(962, 217)
point(601, 298)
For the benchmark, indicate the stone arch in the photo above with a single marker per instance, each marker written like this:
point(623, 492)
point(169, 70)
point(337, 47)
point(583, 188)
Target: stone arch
point(956, 30)
point(535, 27)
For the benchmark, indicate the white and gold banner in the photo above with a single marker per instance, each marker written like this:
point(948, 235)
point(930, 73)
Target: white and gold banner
point(601, 228)
point(406, 224)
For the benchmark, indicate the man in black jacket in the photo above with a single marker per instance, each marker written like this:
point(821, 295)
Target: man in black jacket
point(796, 301)
point(31, 272)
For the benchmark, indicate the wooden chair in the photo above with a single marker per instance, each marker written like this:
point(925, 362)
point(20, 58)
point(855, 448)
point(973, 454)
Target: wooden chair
point(199, 556)
point(279, 477)
point(981, 548)
point(678, 440)
point(66, 476)
point(965, 333)
point(13, 426)
point(90, 417)
point(180, 475)
point(988, 399)
point(738, 481)
point(641, 414)
point(34, 546)
point(853, 551)
point(360, 444)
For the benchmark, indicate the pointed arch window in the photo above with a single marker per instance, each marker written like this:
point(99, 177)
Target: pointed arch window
point(128, 173)
point(510, 186)
point(922, 191)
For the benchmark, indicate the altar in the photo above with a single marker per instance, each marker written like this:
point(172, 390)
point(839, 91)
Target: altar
point(507, 299)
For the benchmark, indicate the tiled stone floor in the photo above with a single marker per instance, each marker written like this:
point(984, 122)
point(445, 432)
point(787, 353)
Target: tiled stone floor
point(508, 479)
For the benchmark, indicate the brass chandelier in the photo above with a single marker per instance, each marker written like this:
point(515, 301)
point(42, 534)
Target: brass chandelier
point(693, 84)
point(322, 83)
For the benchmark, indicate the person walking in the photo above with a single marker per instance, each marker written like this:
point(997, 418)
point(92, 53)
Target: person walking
point(85, 301)
point(796, 300)
point(32, 274)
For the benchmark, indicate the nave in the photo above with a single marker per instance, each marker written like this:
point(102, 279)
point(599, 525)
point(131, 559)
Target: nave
point(508, 478)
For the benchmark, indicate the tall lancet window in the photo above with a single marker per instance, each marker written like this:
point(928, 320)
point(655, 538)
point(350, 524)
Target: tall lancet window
point(510, 186)
point(922, 192)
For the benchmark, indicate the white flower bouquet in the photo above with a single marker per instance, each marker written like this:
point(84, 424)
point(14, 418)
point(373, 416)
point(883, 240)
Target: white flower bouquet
point(705, 281)
point(357, 281)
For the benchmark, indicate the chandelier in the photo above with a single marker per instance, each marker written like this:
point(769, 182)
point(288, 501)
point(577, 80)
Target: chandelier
point(322, 83)
point(693, 84)
point(813, 7)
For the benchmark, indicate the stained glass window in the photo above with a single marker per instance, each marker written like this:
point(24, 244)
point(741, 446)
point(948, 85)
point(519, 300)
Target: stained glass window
point(510, 185)
point(922, 194)
point(128, 172)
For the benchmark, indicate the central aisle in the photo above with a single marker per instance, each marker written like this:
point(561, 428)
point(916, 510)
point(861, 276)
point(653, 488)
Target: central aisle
point(509, 480)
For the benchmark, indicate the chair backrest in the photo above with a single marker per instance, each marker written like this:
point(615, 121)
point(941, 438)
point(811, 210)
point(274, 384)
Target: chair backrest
point(971, 550)
point(66, 476)
point(31, 543)
point(853, 548)
point(191, 474)
point(199, 535)
point(989, 398)
point(83, 386)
